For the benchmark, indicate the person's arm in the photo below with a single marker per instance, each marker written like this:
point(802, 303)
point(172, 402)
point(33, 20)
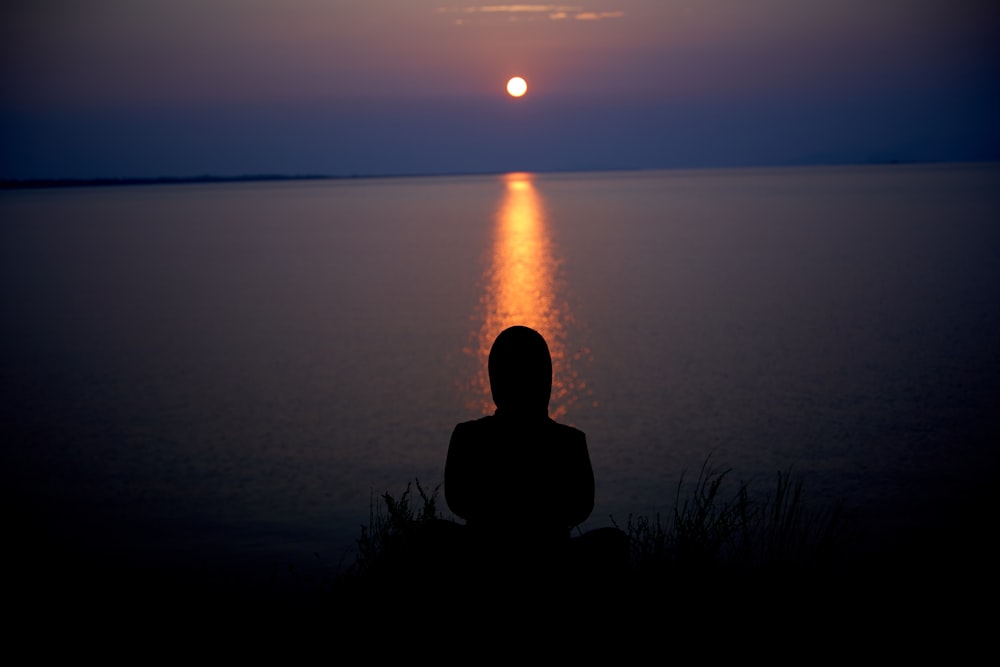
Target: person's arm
point(580, 495)
point(457, 488)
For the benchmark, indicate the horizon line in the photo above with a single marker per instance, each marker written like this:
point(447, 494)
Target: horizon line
point(64, 182)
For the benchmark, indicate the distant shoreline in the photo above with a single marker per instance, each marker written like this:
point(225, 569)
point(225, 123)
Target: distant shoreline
point(35, 183)
point(30, 183)
point(39, 183)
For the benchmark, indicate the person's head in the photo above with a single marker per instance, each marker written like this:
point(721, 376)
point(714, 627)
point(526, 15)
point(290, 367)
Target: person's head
point(520, 369)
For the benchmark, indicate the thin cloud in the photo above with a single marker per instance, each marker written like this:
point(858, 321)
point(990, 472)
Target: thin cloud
point(519, 9)
point(530, 12)
point(597, 16)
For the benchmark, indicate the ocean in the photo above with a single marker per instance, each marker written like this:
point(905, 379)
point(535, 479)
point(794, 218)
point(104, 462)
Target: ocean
point(226, 376)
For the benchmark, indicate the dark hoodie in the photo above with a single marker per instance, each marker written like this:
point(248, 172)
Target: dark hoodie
point(518, 473)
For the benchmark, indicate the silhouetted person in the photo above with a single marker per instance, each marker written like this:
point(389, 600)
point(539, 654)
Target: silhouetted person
point(522, 481)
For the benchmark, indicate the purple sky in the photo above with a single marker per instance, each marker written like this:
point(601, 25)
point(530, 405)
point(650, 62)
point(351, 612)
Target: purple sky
point(137, 88)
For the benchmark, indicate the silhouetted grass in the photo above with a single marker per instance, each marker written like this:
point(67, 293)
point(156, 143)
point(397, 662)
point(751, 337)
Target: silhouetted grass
point(719, 528)
point(719, 531)
point(392, 525)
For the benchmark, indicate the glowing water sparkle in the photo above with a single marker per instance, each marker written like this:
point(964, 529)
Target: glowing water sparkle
point(226, 373)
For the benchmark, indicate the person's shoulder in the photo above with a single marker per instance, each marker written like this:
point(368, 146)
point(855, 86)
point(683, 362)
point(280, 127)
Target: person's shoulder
point(566, 431)
point(482, 422)
point(474, 425)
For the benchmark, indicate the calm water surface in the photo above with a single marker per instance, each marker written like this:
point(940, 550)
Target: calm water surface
point(228, 372)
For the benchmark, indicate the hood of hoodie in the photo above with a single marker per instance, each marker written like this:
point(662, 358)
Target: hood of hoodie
point(520, 368)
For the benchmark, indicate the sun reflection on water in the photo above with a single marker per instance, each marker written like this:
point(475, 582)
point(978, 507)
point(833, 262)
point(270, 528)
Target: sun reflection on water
point(523, 286)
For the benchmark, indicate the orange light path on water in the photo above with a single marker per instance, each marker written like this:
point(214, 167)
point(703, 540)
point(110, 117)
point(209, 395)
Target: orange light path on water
point(522, 287)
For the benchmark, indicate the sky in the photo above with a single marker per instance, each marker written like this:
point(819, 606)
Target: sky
point(178, 88)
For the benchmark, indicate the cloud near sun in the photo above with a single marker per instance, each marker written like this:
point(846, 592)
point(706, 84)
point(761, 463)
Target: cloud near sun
point(529, 12)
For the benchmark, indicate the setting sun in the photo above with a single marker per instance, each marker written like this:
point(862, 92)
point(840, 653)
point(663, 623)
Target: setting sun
point(517, 87)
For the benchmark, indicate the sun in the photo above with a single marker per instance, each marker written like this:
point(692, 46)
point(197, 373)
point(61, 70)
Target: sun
point(517, 87)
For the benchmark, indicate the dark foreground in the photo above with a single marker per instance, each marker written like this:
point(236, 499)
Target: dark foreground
point(922, 588)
